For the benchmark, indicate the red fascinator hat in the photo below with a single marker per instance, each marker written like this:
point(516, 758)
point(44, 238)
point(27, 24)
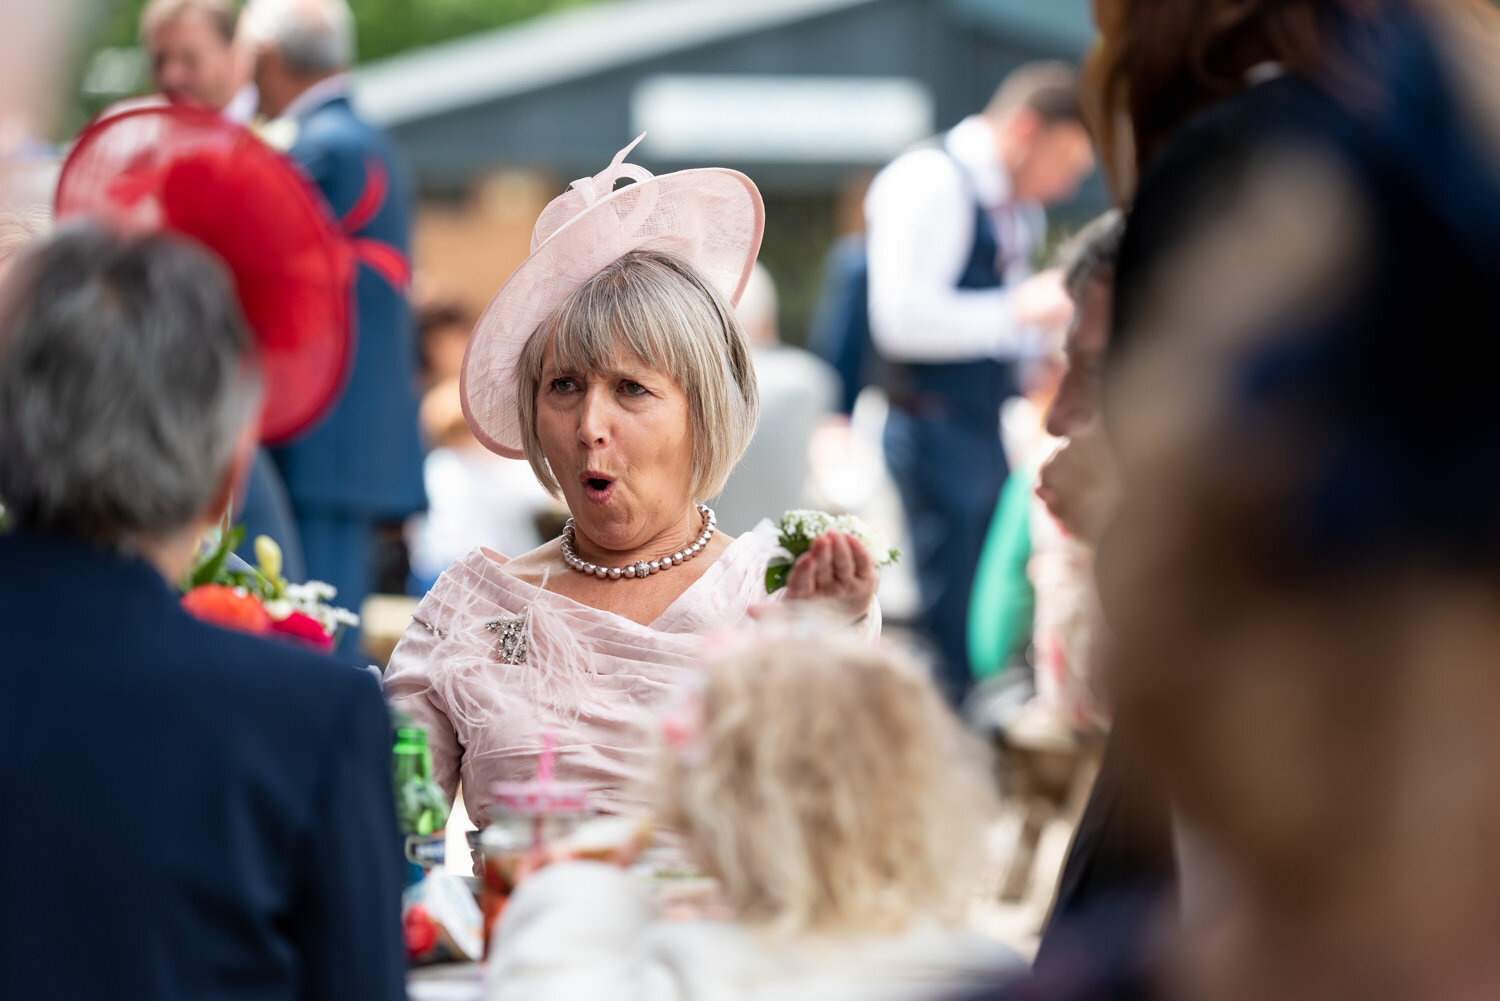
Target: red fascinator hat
point(191, 172)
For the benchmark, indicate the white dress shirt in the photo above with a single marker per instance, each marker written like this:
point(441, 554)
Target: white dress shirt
point(919, 217)
point(243, 105)
point(475, 498)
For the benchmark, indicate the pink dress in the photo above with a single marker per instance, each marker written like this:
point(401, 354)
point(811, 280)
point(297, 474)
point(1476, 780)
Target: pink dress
point(593, 679)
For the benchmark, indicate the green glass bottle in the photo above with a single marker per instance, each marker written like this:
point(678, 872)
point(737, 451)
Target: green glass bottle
point(420, 805)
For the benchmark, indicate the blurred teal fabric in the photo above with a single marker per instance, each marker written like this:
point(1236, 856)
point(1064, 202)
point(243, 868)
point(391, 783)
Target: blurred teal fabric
point(1003, 603)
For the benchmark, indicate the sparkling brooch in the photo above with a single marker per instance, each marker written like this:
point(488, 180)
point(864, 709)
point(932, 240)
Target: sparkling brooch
point(512, 631)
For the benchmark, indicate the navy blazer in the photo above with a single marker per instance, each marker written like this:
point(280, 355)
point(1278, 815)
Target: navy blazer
point(364, 458)
point(188, 812)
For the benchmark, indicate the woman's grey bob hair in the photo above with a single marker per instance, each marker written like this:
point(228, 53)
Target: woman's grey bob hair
point(657, 310)
point(126, 377)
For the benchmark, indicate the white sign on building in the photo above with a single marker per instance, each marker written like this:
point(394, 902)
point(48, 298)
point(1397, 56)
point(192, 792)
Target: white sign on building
point(781, 118)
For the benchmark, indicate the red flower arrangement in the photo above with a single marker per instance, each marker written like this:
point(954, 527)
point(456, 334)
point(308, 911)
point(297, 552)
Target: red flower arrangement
point(301, 626)
point(259, 600)
point(228, 607)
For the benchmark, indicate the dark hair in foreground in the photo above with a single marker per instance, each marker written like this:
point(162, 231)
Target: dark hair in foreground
point(1304, 580)
point(126, 374)
point(1160, 62)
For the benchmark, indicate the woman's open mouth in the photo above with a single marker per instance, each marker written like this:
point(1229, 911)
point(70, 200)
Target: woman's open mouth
point(597, 487)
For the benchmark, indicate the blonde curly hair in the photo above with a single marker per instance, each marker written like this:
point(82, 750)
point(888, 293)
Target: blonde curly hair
point(830, 789)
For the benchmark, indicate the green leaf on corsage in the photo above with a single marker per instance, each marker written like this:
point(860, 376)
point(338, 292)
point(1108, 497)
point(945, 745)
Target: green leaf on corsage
point(208, 571)
point(776, 573)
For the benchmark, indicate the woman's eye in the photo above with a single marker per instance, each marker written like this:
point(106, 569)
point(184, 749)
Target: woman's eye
point(631, 388)
point(565, 384)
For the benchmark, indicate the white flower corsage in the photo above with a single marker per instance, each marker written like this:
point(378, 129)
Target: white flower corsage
point(798, 529)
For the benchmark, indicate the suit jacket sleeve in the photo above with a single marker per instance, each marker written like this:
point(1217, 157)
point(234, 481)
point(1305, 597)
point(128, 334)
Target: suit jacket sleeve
point(350, 918)
point(319, 163)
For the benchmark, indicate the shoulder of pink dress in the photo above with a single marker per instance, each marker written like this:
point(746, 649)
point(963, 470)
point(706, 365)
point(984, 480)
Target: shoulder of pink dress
point(487, 555)
point(475, 576)
point(754, 546)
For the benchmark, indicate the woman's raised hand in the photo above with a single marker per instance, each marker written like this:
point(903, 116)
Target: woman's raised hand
point(838, 570)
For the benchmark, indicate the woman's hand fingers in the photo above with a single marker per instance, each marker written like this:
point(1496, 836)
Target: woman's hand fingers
point(812, 575)
point(842, 547)
point(838, 569)
point(864, 563)
point(801, 582)
point(828, 574)
point(863, 579)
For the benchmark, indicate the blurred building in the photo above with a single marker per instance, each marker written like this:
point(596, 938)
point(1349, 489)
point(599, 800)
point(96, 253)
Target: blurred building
point(809, 97)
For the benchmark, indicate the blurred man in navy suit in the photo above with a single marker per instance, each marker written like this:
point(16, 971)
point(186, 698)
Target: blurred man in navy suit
point(361, 468)
point(189, 813)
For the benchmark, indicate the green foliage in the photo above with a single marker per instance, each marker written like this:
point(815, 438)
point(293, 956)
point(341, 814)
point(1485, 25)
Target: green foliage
point(211, 569)
point(385, 28)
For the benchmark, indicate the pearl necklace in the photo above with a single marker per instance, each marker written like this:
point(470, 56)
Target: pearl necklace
point(641, 568)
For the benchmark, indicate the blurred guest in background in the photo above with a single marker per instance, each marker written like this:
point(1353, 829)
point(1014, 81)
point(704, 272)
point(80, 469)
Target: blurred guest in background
point(358, 475)
point(190, 47)
point(1305, 566)
point(839, 332)
point(1077, 481)
point(475, 497)
point(1122, 845)
point(1028, 536)
point(443, 324)
point(1301, 572)
point(798, 391)
point(1175, 142)
point(1068, 634)
point(951, 233)
point(240, 824)
point(842, 809)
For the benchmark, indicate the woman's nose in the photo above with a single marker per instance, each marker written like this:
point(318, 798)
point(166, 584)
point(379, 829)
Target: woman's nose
point(593, 419)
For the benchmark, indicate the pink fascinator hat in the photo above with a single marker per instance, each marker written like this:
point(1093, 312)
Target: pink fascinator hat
point(710, 217)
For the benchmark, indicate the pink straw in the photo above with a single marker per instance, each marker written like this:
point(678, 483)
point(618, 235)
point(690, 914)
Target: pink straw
point(544, 766)
point(543, 779)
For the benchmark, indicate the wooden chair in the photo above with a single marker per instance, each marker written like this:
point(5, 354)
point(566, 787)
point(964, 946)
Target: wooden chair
point(1048, 776)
